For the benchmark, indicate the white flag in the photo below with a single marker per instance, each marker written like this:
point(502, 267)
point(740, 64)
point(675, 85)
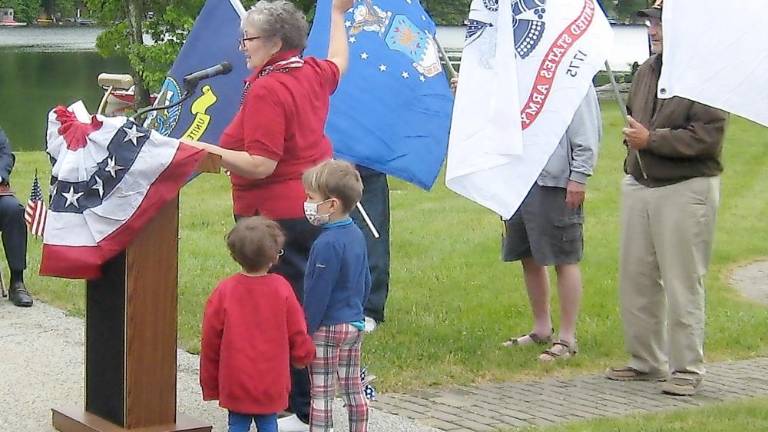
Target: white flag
point(714, 53)
point(559, 45)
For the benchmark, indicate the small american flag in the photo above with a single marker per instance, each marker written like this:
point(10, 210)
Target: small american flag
point(35, 212)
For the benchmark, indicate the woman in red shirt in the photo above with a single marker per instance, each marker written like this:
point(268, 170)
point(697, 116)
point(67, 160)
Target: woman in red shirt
point(279, 133)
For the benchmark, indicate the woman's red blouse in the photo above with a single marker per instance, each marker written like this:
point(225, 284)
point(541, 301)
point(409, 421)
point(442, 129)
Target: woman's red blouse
point(282, 118)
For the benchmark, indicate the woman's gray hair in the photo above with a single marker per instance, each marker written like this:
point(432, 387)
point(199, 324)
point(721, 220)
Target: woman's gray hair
point(281, 19)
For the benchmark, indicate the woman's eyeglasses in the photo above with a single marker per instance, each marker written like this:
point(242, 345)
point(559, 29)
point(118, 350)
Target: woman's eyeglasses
point(245, 39)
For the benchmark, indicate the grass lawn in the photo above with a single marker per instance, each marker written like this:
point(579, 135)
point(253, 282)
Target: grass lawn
point(452, 301)
point(748, 415)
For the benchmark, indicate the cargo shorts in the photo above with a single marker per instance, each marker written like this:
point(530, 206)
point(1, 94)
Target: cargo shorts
point(544, 228)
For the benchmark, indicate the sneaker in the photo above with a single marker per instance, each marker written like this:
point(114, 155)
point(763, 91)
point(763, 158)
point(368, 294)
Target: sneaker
point(628, 373)
point(370, 324)
point(681, 386)
point(292, 424)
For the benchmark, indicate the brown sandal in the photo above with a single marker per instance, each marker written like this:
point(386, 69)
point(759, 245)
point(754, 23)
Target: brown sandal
point(528, 339)
point(628, 373)
point(559, 350)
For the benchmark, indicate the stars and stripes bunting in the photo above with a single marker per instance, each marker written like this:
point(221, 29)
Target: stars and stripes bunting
point(110, 177)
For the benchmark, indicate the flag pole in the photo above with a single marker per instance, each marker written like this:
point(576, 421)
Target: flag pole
point(368, 220)
point(451, 71)
point(624, 113)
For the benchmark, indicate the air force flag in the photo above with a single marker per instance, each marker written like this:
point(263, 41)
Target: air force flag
point(213, 39)
point(392, 110)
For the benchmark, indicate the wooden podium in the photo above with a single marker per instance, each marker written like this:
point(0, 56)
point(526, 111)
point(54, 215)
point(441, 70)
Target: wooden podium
point(130, 329)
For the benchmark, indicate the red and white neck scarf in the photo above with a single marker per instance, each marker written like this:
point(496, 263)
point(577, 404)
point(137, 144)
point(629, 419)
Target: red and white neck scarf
point(286, 65)
point(282, 66)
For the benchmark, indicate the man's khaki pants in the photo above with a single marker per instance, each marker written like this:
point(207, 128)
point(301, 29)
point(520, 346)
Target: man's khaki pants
point(666, 242)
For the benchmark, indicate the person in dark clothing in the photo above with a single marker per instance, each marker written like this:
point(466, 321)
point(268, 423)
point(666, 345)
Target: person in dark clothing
point(14, 231)
point(375, 202)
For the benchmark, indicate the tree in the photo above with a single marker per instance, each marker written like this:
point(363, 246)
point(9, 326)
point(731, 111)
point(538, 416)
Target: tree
point(624, 10)
point(62, 8)
point(447, 12)
point(28, 10)
point(126, 22)
point(23, 10)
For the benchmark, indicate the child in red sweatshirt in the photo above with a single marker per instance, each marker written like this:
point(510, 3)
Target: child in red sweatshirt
point(253, 330)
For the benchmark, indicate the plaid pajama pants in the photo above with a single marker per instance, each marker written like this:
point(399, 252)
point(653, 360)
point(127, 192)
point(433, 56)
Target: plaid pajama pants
point(338, 355)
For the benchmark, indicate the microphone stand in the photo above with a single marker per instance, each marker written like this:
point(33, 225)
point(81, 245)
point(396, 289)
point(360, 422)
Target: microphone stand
point(188, 92)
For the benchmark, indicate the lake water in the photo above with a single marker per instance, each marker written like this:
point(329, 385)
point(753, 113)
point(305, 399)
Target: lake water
point(44, 67)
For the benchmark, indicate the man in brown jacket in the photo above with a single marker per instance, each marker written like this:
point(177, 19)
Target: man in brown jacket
point(669, 202)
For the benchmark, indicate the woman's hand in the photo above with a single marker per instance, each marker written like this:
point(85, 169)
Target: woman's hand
point(239, 162)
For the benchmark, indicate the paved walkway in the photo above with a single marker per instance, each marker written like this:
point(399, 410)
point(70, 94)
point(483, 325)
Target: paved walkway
point(509, 405)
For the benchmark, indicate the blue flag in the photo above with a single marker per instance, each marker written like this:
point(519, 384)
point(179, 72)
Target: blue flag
point(392, 110)
point(214, 38)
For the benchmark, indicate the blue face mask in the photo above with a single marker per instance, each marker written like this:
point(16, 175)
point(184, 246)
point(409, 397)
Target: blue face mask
point(310, 211)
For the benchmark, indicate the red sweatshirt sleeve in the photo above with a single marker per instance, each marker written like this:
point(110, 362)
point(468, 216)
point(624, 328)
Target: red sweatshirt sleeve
point(301, 345)
point(213, 329)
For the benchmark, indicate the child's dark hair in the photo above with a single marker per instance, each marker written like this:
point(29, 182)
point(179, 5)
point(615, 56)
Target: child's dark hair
point(255, 242)
point(335, 179)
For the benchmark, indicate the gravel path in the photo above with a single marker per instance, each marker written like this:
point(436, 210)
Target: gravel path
point(751, 281)
point(41, 367)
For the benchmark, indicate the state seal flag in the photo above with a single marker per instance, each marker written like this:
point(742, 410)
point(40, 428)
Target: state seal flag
point(109, 177)
point(392, 109)
point(214, 38)
point(526, 67)
point(35, 211)
point(715, 54)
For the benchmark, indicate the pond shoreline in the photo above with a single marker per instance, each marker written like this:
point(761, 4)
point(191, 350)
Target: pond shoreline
point(45, 67)
point(49, 39)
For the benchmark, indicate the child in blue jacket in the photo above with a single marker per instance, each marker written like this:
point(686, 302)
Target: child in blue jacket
point(336, 285)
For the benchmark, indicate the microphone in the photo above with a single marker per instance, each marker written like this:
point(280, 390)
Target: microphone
point(191, 80)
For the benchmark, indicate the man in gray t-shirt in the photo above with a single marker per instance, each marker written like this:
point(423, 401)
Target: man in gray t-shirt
point(547, 230)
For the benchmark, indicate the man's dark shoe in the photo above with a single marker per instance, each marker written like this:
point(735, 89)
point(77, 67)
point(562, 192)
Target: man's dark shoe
point(19, 295)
